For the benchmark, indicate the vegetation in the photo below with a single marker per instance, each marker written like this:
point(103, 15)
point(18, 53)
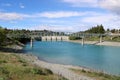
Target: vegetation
point(2, 36)
point(98, 29)
point(95, 38)
point(12, 67)
point(113, 30)
point(10, 36)
point(74, 38)
point(96, 75)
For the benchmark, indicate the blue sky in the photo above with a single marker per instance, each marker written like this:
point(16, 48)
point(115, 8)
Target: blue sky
point(59, 15)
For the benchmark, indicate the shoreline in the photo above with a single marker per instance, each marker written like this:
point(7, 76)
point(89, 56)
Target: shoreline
point(60, 69)
point(104, 43)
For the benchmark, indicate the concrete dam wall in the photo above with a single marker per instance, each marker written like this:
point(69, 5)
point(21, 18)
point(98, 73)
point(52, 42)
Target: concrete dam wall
point(55, 38)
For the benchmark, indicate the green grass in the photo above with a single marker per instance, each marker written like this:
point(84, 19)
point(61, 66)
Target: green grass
point(12, 67)
point(96, 75)
point(105, 38)
point(93, 38)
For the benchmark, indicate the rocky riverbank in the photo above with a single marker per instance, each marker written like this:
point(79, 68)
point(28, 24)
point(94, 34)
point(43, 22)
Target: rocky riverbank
point(63, 70)
point(104, 43)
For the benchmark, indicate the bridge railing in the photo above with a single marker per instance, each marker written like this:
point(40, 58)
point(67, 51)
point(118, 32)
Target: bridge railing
point(39, 34)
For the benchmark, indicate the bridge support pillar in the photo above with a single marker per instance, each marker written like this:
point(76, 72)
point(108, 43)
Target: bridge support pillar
point(46, 39)
point(111, 37)
point(82, 41)
point(51, 38)
point(56, 38)
point(61, 39)
point(101, 39)
point(31, 42)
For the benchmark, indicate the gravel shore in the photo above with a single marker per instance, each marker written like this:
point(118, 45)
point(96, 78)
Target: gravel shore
point(104, 43)
point(63, 70)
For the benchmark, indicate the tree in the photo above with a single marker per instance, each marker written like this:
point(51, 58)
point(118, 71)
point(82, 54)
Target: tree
point(98, 29)
point(113, 30)
point(108, 29)
point(2, 36)
point(101, 29)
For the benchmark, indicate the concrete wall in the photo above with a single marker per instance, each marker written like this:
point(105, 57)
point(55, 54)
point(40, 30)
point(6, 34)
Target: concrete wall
point(55, 38)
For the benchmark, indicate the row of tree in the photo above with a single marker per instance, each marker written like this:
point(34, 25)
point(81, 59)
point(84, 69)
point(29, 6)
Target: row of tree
point(99, 29)
point(113, 30)
point(22, 36)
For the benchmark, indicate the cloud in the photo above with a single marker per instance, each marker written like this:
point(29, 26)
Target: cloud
point(60, 28)
point(108, 20)
point(81, 20)
point(11, 16)
point(49, 15)
point(99, 19)
point(21, 5)
point(82, 3)
point(19, 16)
point(111, 5)
point(60, 14)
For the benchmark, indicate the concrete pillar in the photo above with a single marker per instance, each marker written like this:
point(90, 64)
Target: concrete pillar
point(46, 38)
point(100, 39)
point(82, 41)
point(31, 42)
point(51, 38)
point(61, 39)
point(111, 37)
point(56, 38)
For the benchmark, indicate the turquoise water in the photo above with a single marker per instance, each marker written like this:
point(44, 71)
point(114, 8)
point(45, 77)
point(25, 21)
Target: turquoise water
point(103, 58)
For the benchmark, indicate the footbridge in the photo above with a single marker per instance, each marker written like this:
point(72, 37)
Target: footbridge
point(55, 36)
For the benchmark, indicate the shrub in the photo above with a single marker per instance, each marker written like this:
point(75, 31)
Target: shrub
point(83, 70)
point(22, 61)
point(47, 71)
point(37, 71)
point(74, 38)
point(4, 70)
point(3, 61)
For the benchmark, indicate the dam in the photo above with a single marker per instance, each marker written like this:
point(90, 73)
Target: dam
point(54, 38)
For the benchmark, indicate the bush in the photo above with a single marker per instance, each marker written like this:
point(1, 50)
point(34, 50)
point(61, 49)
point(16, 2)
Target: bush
point(4, 70)
point(3, 61)
point(83, 70)
point(2, 78)
point(47, 71)
point(22, 61)
point(37, 71)
point(74, 38)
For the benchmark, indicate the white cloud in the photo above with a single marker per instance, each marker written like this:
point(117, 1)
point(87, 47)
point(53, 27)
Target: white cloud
point(82, 3)
point(99, 19)
point(60, 14)
point(57, 28)
point(112, 5)
point(18, 16)
point(108, 20)
point(10, 16)
point(82, 20)
point(21, 5)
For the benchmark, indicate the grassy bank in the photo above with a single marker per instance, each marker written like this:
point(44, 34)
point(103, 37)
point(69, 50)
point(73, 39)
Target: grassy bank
point(96, 75)
point(12, 67)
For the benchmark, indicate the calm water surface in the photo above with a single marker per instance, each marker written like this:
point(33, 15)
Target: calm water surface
point(103, 58)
